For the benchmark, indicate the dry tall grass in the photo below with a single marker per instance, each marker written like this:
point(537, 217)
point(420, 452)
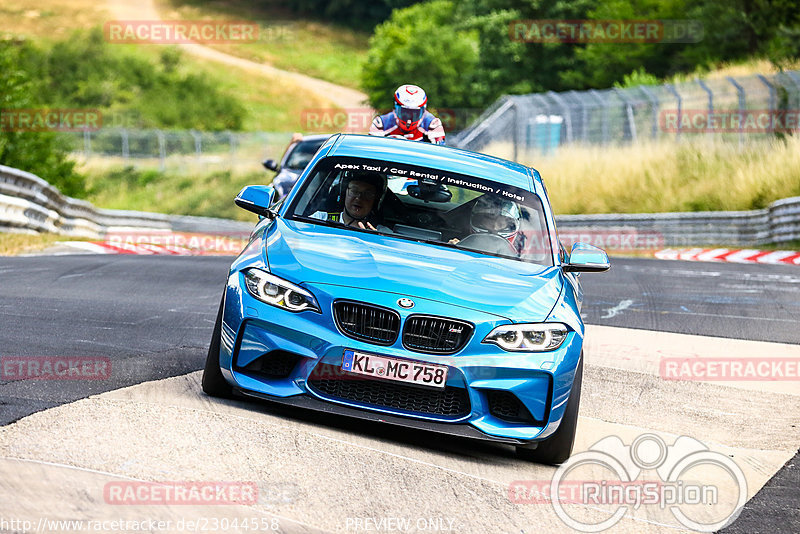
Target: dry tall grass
point(12, 244)
point(692, 175)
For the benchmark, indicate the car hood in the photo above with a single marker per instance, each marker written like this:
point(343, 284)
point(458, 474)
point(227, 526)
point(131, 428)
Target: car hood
point(309, 254)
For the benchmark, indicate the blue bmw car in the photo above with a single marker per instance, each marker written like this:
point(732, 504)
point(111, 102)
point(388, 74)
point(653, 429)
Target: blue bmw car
point(413, 284)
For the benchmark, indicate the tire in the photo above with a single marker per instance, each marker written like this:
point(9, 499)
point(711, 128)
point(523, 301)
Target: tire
point(558, 447)
point(214, 384)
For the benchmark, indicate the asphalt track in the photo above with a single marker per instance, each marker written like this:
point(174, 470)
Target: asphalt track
point(152, 318)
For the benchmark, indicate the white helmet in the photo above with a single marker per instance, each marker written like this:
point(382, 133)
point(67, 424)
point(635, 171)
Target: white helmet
point(409, 106)
point(495, 215)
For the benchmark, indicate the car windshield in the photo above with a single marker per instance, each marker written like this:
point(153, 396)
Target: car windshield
point(301, 153)
point(424, 204)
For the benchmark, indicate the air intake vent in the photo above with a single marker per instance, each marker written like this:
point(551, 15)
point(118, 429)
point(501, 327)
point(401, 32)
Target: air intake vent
point(506, 406)
point(436, 335)
point(275, 364)
point(449, 402)
point(366, 322)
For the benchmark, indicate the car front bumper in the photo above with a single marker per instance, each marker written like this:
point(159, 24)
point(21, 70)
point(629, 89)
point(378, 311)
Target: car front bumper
point(297, 345)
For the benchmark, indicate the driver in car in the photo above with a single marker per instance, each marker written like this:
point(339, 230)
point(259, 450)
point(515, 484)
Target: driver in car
point(360, 194)
point(492, 215)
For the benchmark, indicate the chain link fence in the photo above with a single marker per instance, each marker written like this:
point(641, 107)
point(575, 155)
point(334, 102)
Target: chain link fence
point(179, 150)
point(737, 109)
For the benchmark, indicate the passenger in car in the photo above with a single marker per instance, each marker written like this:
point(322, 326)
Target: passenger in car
point(494, 226)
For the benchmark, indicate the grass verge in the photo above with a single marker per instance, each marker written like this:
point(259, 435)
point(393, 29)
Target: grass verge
point(692, 175)
point(747, 67)
point(208, 194)
point(286, 41)
point(269, 106)
point(12, 244)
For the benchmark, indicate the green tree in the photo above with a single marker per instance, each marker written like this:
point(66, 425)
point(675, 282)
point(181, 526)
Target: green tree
point(511, 65)
point(421, 45)
point(500, 62)
point(84, 71)
point(604, 64)
point(464, 53)
point(732, 30)
point(41, 153)
point(637, 78)
point(358, 14)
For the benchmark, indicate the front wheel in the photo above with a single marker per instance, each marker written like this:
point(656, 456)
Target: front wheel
point(214, 383)
point(558, 447)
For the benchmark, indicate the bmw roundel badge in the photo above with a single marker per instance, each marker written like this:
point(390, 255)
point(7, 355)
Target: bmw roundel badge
point(405, 303)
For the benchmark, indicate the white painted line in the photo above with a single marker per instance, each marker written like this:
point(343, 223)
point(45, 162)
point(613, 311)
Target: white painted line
point(613, 312)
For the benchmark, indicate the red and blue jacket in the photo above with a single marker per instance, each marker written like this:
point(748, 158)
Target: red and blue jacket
point(429, 129)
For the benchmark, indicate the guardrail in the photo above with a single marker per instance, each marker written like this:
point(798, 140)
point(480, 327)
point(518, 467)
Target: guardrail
point(778, 223)
point(29, 203)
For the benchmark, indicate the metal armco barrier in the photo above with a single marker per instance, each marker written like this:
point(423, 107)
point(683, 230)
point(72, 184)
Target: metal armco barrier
point(29, 203)
point(779, 223)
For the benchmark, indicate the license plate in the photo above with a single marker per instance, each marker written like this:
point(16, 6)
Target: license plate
point(409, 371)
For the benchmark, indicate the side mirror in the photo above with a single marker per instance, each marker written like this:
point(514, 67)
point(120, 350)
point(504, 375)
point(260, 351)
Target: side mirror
point(258, 199)
point(270, 165)
point(587, 259)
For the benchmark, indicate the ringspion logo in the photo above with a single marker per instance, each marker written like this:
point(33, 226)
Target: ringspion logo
point(684, 484)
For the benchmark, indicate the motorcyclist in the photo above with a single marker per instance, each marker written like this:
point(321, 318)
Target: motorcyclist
point(410, 119)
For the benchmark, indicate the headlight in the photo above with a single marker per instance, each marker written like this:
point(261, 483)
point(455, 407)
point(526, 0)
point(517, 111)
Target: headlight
point(278, 292)
point(528, 337)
